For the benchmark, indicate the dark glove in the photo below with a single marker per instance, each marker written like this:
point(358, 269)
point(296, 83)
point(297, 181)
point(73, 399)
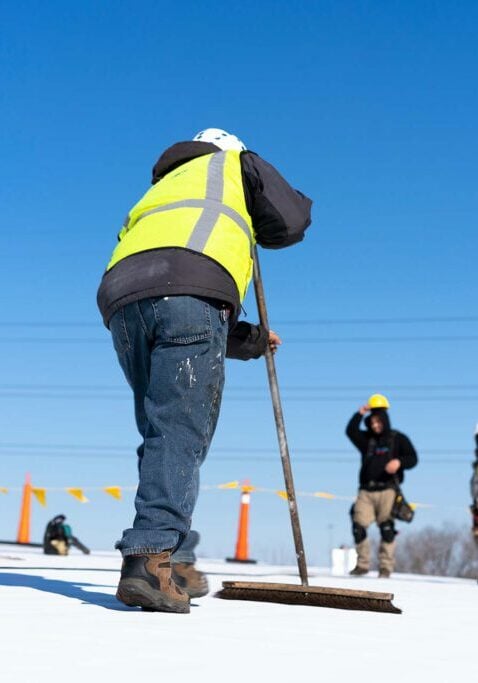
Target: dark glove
point(246, 341)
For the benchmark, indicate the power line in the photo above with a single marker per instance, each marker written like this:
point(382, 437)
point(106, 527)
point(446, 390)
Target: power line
point(239, 458)
point(380, 340)
point(319, 321)
point(362, 387)
point(317, 340)
point(232, 399)
point(46, 325)
point(219, 449)
point(53, 340)
point(252, 388)
point(381, 321)
point(66, 387)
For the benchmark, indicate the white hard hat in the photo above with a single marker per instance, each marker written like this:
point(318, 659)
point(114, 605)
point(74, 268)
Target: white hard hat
point(220, 138)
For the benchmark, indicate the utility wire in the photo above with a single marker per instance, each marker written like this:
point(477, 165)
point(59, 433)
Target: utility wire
point(212, 458)
point(45, 325)
point(53, 340)
point(236, 399)
point(318, 321)
point(6, 446)
point(317, 340)
point(380, 340)
point(381, 321)
point(221, 449)
point(250, 389)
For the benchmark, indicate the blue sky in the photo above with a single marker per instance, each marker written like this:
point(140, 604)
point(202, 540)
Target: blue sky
point(368, 107)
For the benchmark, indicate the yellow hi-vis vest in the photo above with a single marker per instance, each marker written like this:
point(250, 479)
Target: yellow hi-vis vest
point(198, 206)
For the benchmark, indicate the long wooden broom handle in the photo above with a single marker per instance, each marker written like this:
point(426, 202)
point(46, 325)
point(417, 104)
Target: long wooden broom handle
point(280, 427)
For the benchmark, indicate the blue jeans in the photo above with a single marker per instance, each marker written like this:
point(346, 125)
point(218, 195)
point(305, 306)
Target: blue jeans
point(172, 352)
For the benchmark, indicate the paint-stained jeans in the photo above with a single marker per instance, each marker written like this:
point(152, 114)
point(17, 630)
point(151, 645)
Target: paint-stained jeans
point(172, 352)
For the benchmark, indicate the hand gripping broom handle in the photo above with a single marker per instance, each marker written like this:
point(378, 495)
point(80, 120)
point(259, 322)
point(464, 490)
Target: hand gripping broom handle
point(280, 426)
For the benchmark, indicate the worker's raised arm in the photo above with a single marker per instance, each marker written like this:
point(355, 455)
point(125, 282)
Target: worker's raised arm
point(354, 433)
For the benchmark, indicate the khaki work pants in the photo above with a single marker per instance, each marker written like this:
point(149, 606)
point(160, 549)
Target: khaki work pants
point(374, 506)
point(61, 547)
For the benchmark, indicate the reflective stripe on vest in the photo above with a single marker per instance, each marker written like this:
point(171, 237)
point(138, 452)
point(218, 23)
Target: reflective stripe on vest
point(221, 168)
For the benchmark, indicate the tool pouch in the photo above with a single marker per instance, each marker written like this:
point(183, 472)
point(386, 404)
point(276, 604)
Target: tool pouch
point(401, 509)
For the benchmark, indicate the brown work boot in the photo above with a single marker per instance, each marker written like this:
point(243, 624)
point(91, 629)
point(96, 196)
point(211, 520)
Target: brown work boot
point(358, 571)
point(192, 581)
point(146, 582)
point(384, 574)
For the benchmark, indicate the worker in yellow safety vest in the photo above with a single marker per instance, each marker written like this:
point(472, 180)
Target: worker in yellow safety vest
point(171, 296)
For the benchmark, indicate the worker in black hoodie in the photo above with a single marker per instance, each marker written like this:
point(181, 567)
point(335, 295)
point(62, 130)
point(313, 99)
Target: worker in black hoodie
point(386, 453)
point(171, 296)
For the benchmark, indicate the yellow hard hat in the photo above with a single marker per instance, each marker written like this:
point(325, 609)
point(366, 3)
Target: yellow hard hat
point(378, 401)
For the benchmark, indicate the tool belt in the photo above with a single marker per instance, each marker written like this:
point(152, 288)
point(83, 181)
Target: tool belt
point(378, 485)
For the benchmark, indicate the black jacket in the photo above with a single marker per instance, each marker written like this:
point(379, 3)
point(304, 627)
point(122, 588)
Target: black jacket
point(280, 216)
point(378, 450)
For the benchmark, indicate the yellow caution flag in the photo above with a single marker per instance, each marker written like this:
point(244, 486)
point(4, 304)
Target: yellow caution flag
point(283, 495)
point(229, 485)
point(3, 489)
point(40, 495)
point(78, 494)
point(114, 491)
point(321, 494)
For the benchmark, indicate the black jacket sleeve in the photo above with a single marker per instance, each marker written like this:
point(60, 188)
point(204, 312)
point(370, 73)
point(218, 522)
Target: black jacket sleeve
point(280, 214)
point(406, 453)
point(246, 341)
point(358, 437)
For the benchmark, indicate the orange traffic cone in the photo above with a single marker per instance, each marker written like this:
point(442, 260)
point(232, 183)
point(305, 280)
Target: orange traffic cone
point(23, 535)
point(242, 545)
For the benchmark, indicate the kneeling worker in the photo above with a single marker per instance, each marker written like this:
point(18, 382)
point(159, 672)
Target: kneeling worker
point(58, 538)
point(385, 454)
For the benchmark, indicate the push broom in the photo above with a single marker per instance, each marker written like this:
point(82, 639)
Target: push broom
point(291, 594)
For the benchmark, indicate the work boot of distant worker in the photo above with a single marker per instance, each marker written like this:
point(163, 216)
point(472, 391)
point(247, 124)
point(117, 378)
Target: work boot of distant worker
point(146, 582)
point(358, 571)
point(192, 581)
